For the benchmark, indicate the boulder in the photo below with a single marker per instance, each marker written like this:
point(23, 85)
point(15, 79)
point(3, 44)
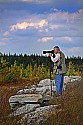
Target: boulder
point(26, 91)
point(26, 109)
point(68, 79)
point(45, 82)
point(24, 98)
point(39, 114)
point(45, 89)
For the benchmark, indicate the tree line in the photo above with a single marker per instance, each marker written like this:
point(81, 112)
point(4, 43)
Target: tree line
point(16, 67)
point(39, 60)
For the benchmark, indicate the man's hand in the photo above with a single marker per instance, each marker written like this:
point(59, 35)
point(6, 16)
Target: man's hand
point(50, 54)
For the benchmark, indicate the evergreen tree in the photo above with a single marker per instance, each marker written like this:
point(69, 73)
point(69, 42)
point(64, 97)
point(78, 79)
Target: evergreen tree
point(70, 69)
point(3, 69)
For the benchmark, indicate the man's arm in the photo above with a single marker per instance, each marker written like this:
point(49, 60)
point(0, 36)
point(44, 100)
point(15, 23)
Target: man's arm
point(57, 57)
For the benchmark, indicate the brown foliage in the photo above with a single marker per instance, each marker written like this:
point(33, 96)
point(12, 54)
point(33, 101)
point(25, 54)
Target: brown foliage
point(71, 112)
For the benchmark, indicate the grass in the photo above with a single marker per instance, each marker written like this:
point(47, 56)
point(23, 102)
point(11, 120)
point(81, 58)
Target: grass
point(71, 110)
point(7, 90)
point(5, 110)
point(69, 113)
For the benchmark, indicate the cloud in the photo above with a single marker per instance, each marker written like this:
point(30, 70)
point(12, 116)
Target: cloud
point(44, 30)
point(74, 51)
point(6, 33)
point(54, 9)
point(61, 39)
point(37, 1)
point(29, 1)
point(58, 2)
point(64, 39)
point(45, 39)
point(65, 16)
point(60, 25)
point(55, 26)
point(49, 27)
point(25, 25)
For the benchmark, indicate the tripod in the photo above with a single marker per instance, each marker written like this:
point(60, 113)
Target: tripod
point(51, 80)
point(51, 71)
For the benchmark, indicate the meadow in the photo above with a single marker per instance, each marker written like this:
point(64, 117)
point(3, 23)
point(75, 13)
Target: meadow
point(14, 77)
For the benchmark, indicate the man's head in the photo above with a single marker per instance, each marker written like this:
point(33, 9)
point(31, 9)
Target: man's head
point(56, 49)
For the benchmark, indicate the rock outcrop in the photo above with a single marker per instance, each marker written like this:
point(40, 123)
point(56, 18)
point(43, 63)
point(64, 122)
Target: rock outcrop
point(28, 101)
point(24, 98)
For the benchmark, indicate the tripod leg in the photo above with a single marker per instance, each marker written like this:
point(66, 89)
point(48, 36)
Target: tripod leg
point(50, 82)
point(51, 87)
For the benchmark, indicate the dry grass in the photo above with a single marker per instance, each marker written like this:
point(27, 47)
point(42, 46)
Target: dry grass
point(7, 90)
point(71, 110)
point(69, 113)
point(5, 93)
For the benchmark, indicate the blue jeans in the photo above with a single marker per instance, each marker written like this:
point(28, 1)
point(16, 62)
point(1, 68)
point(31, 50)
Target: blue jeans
point(59, 80)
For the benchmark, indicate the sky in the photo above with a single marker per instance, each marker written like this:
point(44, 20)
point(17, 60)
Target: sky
point(31, 26)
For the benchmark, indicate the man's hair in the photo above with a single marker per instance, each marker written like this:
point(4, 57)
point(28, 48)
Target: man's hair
point(57, 47)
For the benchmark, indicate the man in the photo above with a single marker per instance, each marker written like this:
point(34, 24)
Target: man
point(59, 69)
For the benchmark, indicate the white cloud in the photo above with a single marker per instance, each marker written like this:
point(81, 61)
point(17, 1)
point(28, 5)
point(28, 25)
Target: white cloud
point(64, 39)
point(57, 2)
point(54, 9)
point(74, 51)
point(42, 23)
point(29, 1)
point(25, 25)
point(58, 22)
point(6, 33)
point(44, 30)
point(65, 16)
point(45, 39)
point(53, 26)
point(37, 1)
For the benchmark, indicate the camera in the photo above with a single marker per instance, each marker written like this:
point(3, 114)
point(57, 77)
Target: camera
point(52, 51)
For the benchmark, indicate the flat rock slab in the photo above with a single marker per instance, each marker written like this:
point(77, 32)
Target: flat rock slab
point(26, 109)
point(39, 115)
point(25, 98)
point(45, 82)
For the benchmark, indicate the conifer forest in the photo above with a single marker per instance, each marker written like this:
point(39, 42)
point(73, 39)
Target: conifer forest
point(16, 67)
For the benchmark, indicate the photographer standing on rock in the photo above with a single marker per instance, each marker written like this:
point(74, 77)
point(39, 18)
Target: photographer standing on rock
point(59, 69)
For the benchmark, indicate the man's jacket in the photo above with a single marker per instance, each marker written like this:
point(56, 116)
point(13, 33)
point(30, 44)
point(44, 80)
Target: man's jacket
point(60, 66)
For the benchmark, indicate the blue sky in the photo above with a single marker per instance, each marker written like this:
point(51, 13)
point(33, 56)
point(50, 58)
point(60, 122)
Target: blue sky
point(31, 26)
